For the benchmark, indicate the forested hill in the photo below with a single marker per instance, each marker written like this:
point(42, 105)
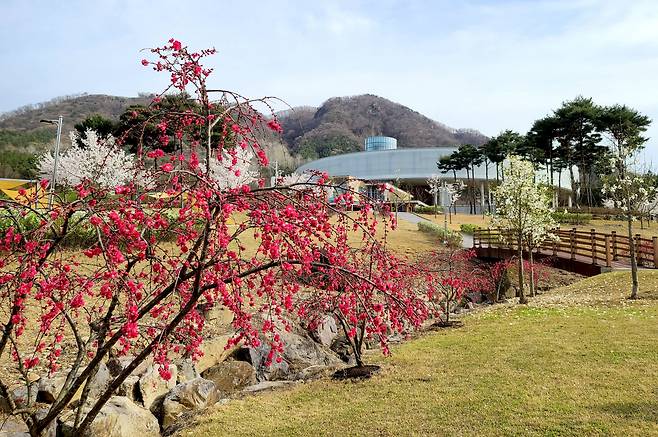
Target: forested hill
point(342, 123)
point(338, 126)
point(74, 109)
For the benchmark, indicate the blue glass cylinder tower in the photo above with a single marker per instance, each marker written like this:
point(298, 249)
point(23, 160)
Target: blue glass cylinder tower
point(380, 143)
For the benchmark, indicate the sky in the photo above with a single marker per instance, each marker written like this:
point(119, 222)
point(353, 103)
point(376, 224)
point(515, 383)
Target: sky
point(487, 65)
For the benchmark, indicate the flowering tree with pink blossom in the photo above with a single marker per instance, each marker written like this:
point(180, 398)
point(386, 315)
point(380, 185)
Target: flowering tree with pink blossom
point(140, 288)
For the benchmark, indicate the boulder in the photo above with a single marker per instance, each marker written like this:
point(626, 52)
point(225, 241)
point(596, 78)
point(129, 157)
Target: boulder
point(316, 372)
point(341, 346)
point(116, 365)
point(119, 417)
point(193, 395)
point(267, 385)
point(186, 370)
point(13, 428)
point(230, 376)
point(51, 429)
point(214, 351)
point(326, 331)
point(19, 394)
point(152, 386)
point(49, 387)
point(130, 388)
point(475, 297)
point(299, 352)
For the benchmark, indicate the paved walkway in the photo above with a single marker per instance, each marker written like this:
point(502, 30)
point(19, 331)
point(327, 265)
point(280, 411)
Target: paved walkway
point(467, 239)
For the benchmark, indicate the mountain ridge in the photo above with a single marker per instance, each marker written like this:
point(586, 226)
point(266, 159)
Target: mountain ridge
point(337, 126)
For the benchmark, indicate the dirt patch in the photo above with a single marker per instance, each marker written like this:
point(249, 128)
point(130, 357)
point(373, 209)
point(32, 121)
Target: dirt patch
point(356, 372)
point(440, 325)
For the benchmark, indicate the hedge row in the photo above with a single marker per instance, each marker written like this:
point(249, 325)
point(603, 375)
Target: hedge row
point(428, 210)
point(469, 228)
point(451, 238)
point(572, 218)
point(80, 233)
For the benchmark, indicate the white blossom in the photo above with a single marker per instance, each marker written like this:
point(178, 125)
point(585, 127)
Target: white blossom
point(99, 161)
point(304, 181)
point(234, 169)
point(635, 194)
point(523, 205)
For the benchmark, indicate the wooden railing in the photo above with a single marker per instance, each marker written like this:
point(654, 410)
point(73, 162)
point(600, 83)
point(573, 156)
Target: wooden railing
point(577, 244)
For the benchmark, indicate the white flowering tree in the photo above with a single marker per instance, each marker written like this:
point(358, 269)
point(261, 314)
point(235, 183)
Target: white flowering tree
point(523, 211)
point(455, 191)
point(304, 181)
point(233, 168)
point(624, 129)
point(635, 195)
point(94, 158)
point(435, 185)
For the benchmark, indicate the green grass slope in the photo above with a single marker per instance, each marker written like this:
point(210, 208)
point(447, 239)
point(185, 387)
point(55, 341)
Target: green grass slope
point(580, 360)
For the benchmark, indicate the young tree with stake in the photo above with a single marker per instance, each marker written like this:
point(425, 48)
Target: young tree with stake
point(522, 210)
point(624, 128)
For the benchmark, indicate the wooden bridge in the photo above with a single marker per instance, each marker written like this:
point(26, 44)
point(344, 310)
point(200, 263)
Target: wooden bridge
point(583, 252)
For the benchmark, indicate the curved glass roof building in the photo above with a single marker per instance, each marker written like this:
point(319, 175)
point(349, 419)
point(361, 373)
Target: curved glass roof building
point(410, 165)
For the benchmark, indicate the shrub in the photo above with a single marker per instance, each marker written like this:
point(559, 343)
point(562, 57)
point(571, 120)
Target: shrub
point(572, 218)
point(600, 212)
point(450, 238)
point(428, 210)
point(469, 228)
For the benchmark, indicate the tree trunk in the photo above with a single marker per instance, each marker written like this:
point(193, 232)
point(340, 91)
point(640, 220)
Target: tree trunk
point(573, 186)
point(532, 273)
point(486, 181)
point(631, 245)
point(522, 298)
point(559, 187)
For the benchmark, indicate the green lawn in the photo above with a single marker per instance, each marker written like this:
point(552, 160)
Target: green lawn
point(580, 360)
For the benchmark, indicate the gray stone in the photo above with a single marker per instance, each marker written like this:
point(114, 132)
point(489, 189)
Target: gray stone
point(299, 352)
point(119, 417)
point(129, 388)
point(475, 297)
point(214, 351)
point(51, 429)
point(267, 385)
point(13, 428)
point(50, 387)
point(19, 395)
point(326, 331)
point(186, 370)
point(193, 395)
point(116, 365)
point(230, 376)
point(151, 385)
point(316, 372)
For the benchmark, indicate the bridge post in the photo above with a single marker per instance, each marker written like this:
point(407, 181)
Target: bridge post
point(593, 239)
point(608, 255)
point(614, 245)
point(572, 241)
point(655, 252)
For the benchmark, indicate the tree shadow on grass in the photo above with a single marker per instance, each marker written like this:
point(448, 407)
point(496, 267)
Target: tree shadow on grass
point(646, 411)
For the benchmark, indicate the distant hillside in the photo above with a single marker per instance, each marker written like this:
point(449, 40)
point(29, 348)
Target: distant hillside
point(338, 126)
point(342, 123)
point(74, 109)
